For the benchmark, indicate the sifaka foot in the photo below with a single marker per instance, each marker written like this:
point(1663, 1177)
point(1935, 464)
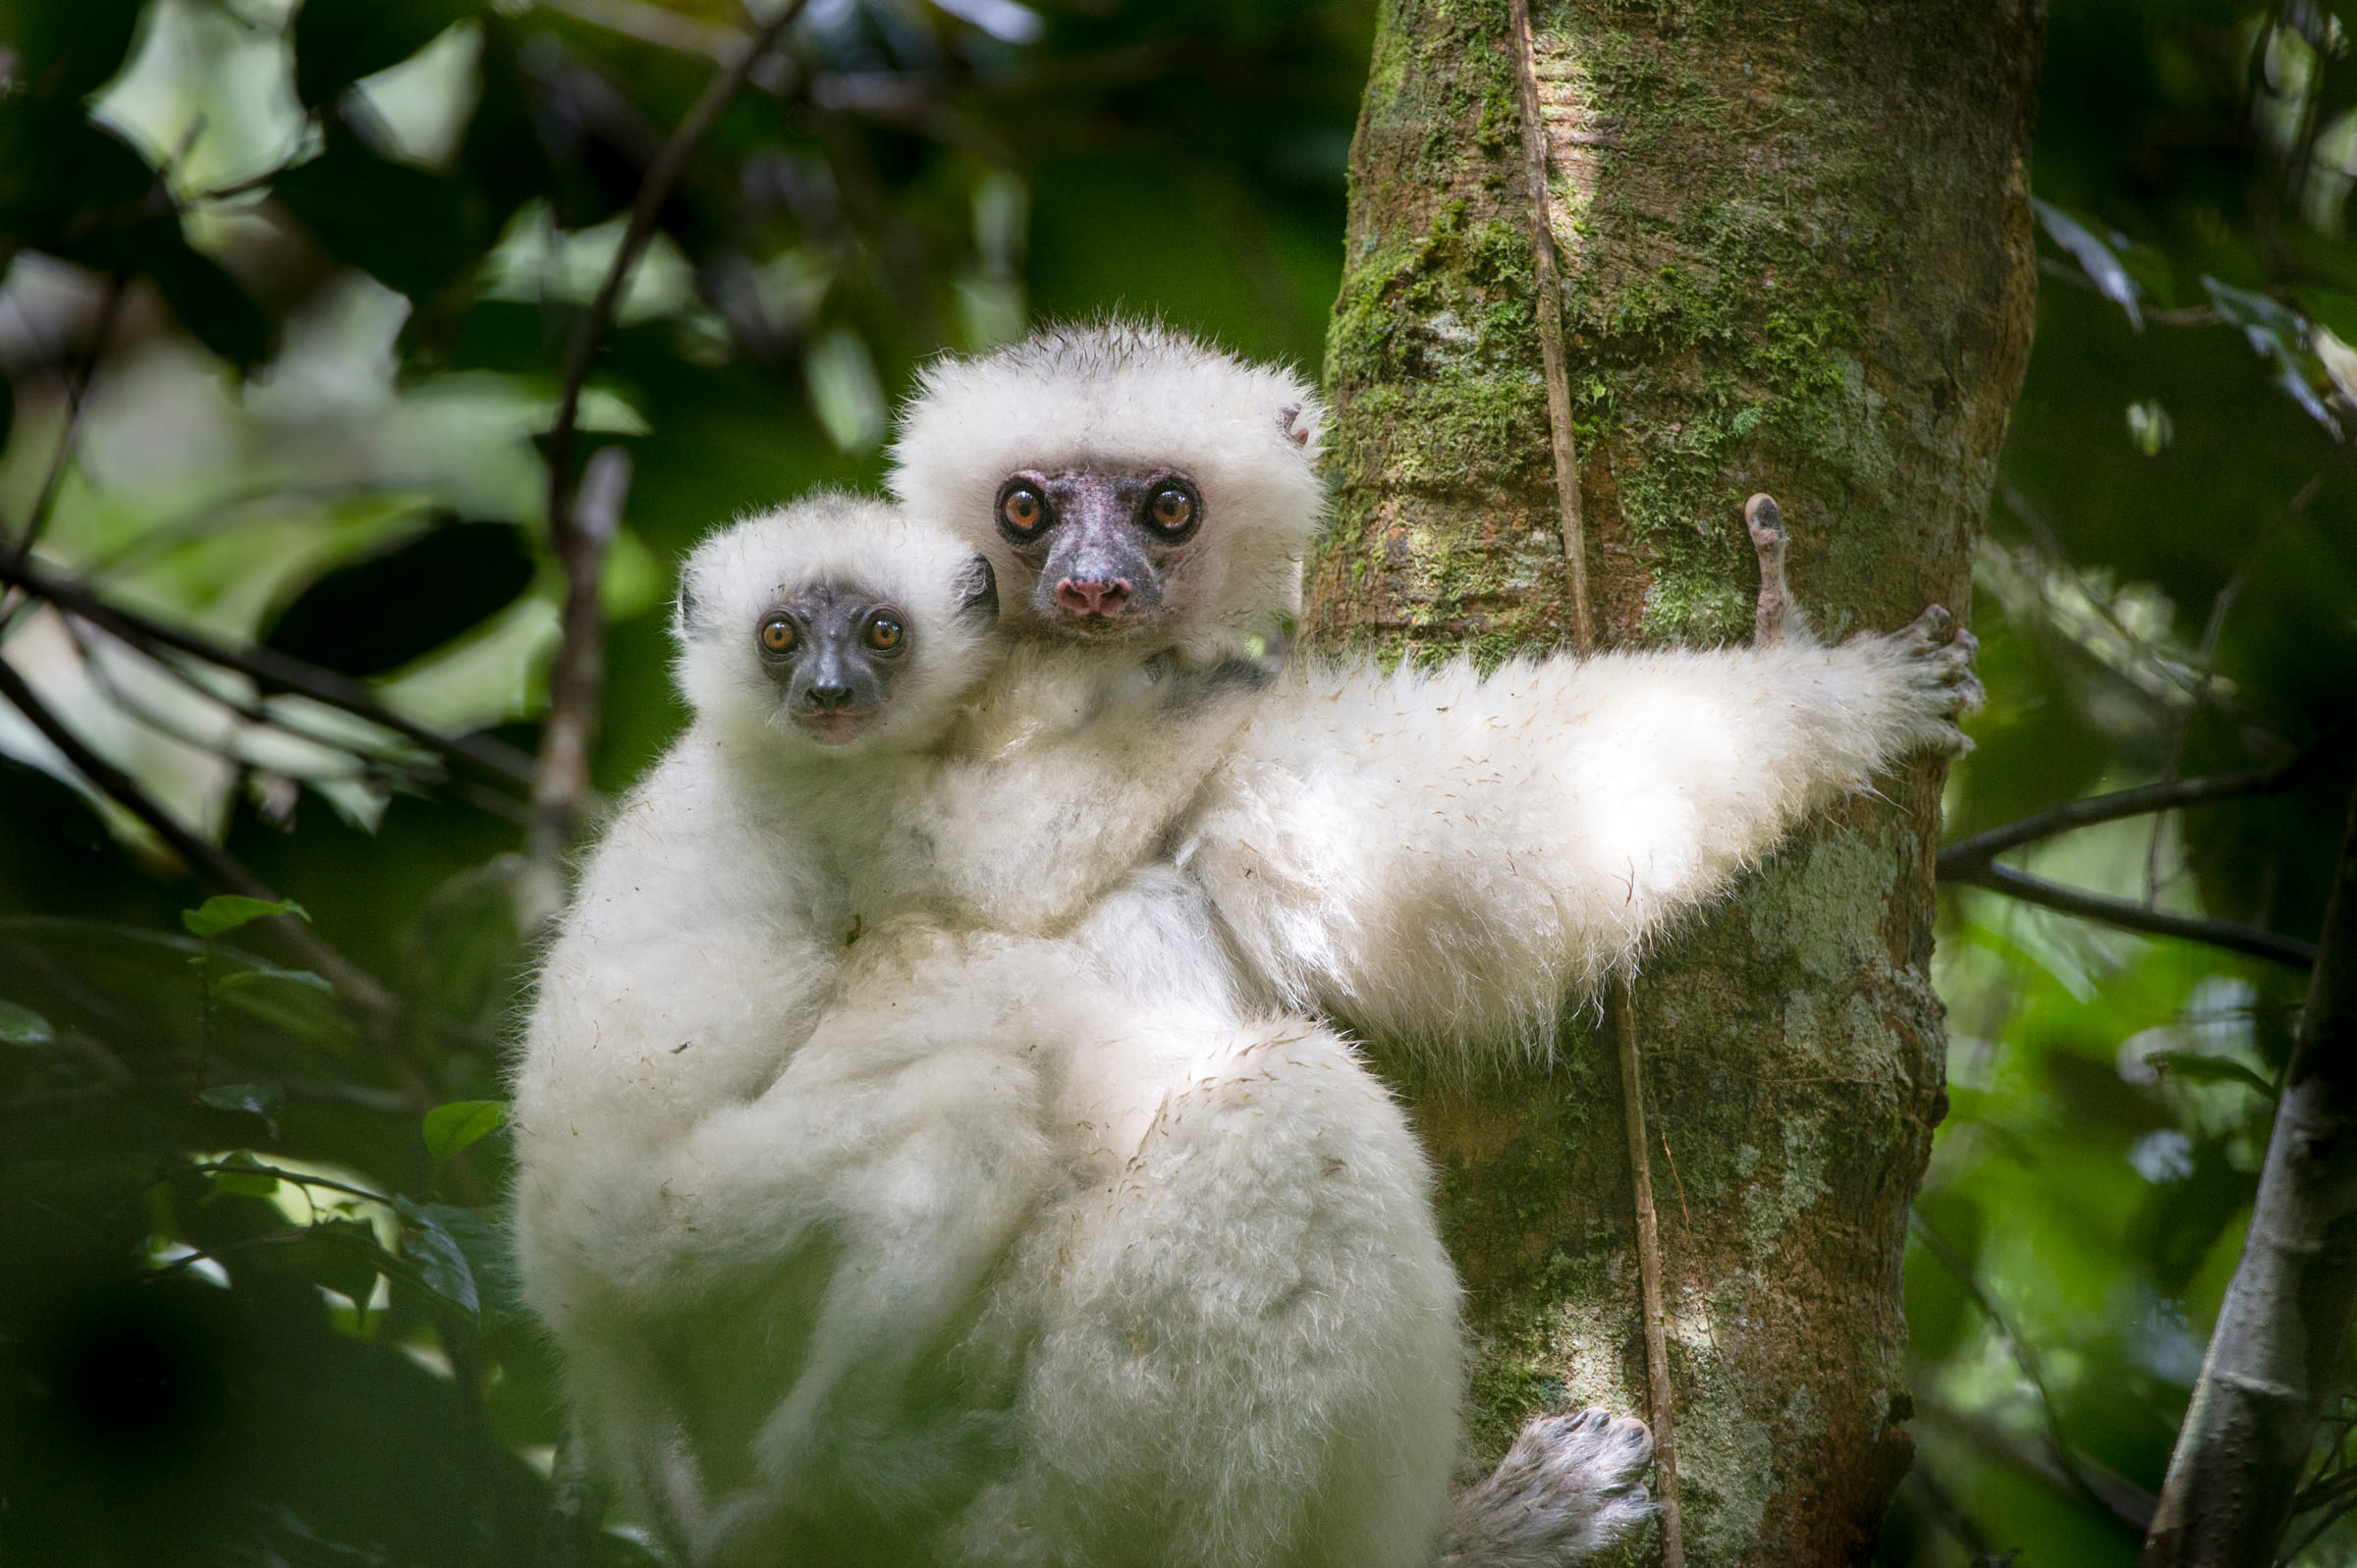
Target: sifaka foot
point(1940, 655)
point(1565, 1491)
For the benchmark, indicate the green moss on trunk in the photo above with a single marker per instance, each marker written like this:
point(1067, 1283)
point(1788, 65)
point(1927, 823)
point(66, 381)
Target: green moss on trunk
point(1796, 258)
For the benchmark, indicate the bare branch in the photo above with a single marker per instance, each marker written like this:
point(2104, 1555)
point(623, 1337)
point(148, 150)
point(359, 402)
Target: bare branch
point(2068, 1464)
point(563, 783)
point(561, 778)
point(2274, 1358)
point(273, 670)
point(77, 390)
point(654, 24)
point(662, 173)
point(208, 859)
point(1964, 858)
point(2129, 916)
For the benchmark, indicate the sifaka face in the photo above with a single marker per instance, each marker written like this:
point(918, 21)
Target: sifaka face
point(832, 651)
point(1102, 545)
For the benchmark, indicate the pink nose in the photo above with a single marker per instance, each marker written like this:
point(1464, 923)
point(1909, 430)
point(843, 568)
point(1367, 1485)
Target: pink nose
point(1093, 598)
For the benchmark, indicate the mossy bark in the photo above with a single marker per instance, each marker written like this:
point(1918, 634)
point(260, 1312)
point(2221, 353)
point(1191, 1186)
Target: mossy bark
point(1796, 253)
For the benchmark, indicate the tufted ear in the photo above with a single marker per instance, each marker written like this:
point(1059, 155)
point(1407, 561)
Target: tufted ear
point(977, 589)
point(1298, 434)
point(685, 606)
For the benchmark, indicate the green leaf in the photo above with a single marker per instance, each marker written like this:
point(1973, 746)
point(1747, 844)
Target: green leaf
point(339, 41)
point(254, 1099)
point(451, 1127)
point(228, 911)
point(243, 1175)
point(263, 971)
point(341, 1253)
point(22, 1026)
point(490, 1255)
point(2196, 1068)
point(441, 1263)
point(214, 306)
point(64, 51)
point(410, 230)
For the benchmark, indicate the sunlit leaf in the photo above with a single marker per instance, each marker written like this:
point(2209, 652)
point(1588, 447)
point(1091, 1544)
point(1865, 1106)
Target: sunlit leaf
point(243, 1175)
point(22, 1026)
point(2274, 331)
point(2094, 259)
point(226, 912)
point(450, 1128)
point(339, 41)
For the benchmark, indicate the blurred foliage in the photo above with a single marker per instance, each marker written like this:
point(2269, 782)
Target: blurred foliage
point(2167, 590)
point(287, 297)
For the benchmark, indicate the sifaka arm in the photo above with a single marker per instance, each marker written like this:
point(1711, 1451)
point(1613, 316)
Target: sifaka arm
point(1436, 854)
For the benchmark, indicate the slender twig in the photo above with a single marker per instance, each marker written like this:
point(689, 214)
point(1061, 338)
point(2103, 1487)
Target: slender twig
point(2129, 915)
point(2048, 544)
point(274, 670)
point(364, 765)
point(2025, 1355)
point(654, 24)
point(1658, 1394)
point(1550, 312)
point(203, 855)
point(561, 781)
point(571, 729)
point(1968, 857)
point(77, 390)
point(1548, 307)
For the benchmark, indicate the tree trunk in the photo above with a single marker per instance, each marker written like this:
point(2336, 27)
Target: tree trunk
point(1796, 257)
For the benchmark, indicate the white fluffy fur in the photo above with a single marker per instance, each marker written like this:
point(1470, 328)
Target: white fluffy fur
point(1005, 1232)
point(1565, 1489)
point(1131, 395)
point(1442, 856)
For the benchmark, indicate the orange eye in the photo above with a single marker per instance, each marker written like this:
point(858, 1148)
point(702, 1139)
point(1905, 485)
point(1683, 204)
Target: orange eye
point(884, 634)
point(1173, 509)
point(778, 634)
point(1023, 510)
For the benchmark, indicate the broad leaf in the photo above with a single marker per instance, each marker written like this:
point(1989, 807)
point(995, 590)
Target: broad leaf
point(440, 1262)
point(243, 1175)
point(408, 228)
point(22, 1026)
point(341, 1253)
point(339, 41)
point(453, 1128)
point(263, 971)
point(262, 1099)
point(228, 911)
